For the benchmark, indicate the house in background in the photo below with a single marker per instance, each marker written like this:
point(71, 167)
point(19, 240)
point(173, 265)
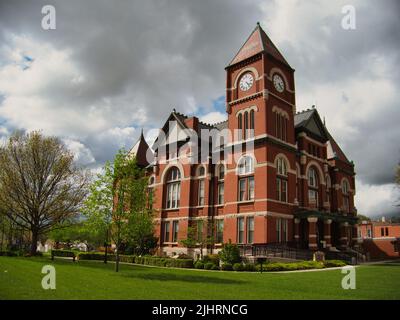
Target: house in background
point(381, 240)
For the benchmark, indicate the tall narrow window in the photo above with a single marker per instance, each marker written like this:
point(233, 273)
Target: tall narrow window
point(240, 230)
point(175, 230)
point(246, 124)
point(221, 177)
point(328, 188)
point(166, 231)
point(220, 231)
point(240, 126)
point(201, 193)
point(246, 181)
point(281, 180)
point(313, 187)
point(284, 230)
point(173, 186)
point(250, 230)
point(346, 196)
point(278, 230)
point(252, 124)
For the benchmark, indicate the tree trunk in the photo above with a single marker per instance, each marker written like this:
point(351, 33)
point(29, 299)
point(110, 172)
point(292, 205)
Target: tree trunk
point(35, 237)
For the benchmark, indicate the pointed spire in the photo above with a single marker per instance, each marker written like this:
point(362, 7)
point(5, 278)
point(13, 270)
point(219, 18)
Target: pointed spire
point(257, 42)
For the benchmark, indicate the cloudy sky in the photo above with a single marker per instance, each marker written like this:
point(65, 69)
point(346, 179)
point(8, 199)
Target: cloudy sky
point(111, 68)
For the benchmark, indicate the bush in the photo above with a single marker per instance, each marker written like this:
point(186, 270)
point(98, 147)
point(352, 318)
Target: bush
point(164, 262)
point(63, 253)
point(209, 265)
point(8, 253)
point(199, 265)
point(92, 256)
point(213, 258)
point(249, 267)
point(238, 267)
point(227, 267)
point(334, 263)
point(214, 267)
point(230, 253)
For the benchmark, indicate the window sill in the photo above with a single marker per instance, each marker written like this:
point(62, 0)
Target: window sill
point(219, 205)
point(170, 243)
point(171, 209)
point(246, 202)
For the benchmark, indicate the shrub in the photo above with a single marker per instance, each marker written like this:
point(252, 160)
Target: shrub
point(8, 253)
point(92, 256)
point(334, 263)
point(238, 267)
point(163, 262)
point(230, 253)
point(227, 267)
point(213, 258)
point(199, 265)
point(214, 267)
point(249, 267)
point(209, 265)
point(63, 253)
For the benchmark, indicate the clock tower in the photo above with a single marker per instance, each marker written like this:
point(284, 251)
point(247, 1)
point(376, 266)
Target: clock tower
point(260, 79)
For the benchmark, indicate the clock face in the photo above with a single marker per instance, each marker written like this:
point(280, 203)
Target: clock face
point(278, 83)
point(246, 82)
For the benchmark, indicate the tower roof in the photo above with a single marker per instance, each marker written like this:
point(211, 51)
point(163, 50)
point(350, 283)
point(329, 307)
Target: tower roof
point(257, 42)
point(139, 150)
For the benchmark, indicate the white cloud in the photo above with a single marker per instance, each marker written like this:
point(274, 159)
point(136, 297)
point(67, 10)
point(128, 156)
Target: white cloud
point(214, 117)
point(82, 155)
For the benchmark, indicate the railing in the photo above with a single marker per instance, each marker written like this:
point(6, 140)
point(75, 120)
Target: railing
point(349, 257)
point(275, 250)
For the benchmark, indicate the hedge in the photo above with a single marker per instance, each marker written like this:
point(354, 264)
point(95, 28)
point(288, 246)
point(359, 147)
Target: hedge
point(334, 263)
point(63, 253)
point(164, 262)
point(199, 265)
point(8, 253)
point(227, 267)
point(213, 258)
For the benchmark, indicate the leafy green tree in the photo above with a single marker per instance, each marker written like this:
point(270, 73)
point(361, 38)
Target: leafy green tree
point(98, 206)
point(361, 218)
point(118, 202)
point(230, 253)
point(40, 186)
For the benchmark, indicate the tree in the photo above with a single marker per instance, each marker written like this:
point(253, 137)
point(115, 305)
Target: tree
point(230, 253)
point(361, 218)
point(40, 186)
point(197, 238)
point(99, 205)
point(118, 202)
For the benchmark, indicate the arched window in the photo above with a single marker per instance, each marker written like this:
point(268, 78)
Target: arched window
point(246, 165)
point(201, 186)
point(202, 171)
point(313, 186)
point(221, 177)
point(281, 180)
point(345, 194)
point(240, 126)
point(246, 184)
point(173, 185)
point(246, 124)
point(252, 133)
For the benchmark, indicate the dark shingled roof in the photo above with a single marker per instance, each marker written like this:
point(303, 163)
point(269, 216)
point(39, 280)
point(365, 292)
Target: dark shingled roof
point(257, 42)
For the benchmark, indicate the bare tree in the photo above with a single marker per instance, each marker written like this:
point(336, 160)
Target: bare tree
point(40, 186)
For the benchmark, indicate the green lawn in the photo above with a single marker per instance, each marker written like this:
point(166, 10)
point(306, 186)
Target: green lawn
point(20, 278)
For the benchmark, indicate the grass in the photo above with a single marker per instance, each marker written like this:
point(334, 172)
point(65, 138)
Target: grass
point(20, 278)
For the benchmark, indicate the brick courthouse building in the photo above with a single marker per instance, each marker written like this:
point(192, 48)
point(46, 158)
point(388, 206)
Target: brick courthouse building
point(294, 186)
